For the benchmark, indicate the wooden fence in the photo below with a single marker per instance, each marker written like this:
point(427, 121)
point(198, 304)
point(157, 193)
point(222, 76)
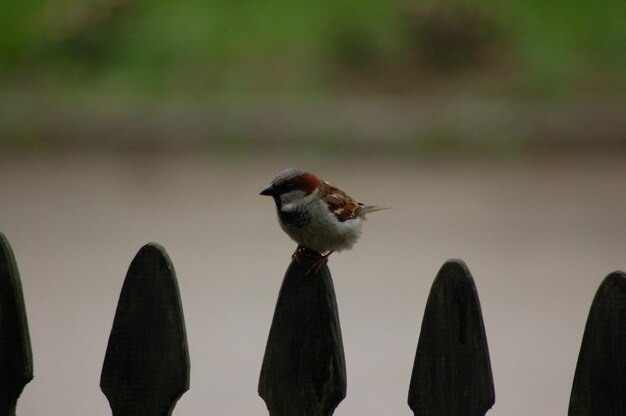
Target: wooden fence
point(146, 366)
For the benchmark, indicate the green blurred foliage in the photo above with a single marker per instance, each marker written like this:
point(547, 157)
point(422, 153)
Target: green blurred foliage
point(568, 43)
point(20, 31)
point(237, 46)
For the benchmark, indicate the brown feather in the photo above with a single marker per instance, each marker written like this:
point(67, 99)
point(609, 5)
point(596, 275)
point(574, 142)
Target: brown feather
point(340, 204)
point(306, 182)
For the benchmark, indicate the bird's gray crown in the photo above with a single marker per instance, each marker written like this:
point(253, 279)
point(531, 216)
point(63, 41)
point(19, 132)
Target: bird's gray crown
point(286, 175)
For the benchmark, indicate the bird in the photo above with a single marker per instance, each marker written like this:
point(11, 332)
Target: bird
point(318, 216)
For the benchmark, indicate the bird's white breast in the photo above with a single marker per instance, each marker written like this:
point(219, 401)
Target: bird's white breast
point(324, 232)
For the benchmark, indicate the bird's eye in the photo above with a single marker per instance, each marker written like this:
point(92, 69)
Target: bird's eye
point(286, 187)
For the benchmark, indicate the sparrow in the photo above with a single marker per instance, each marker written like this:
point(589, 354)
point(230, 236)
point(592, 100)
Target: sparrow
point(316, 215)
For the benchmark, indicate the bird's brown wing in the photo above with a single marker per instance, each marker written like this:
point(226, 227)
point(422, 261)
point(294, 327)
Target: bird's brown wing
point(340, 204)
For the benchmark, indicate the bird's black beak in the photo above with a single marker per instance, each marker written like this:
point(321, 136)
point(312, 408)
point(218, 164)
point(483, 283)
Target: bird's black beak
point(269, 191)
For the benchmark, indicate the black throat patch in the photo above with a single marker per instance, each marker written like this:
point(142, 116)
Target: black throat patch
point(296, 218)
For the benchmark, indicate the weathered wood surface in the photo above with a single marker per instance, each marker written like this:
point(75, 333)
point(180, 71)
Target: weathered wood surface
point(599, 387)
point(303, 372)
point(452, 372)
point(16, 359)
point(146, 367)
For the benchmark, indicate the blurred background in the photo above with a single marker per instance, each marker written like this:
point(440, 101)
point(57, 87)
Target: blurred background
point(402, 76)
point(497, 132)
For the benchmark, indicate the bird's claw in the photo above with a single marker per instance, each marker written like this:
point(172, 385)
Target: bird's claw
point(297, 255)
point(320, 259)
point(318, 264)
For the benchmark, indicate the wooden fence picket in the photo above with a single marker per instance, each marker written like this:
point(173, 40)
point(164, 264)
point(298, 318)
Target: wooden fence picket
point(303, 371)
point(452, 371)
point(16, 358)
point(146, 367)
point(599, 387)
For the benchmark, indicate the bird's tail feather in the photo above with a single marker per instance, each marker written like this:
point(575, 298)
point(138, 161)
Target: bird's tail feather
point(366, 209)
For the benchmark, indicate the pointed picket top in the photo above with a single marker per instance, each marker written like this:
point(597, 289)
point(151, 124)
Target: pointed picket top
point(599, 387)
point(304, 372)
point(146, 367)
point(452, 372)
point(16, 358)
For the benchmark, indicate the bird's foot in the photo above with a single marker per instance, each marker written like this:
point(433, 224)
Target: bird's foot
point(302, 251)
point(321, 261)
point(297, 255)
